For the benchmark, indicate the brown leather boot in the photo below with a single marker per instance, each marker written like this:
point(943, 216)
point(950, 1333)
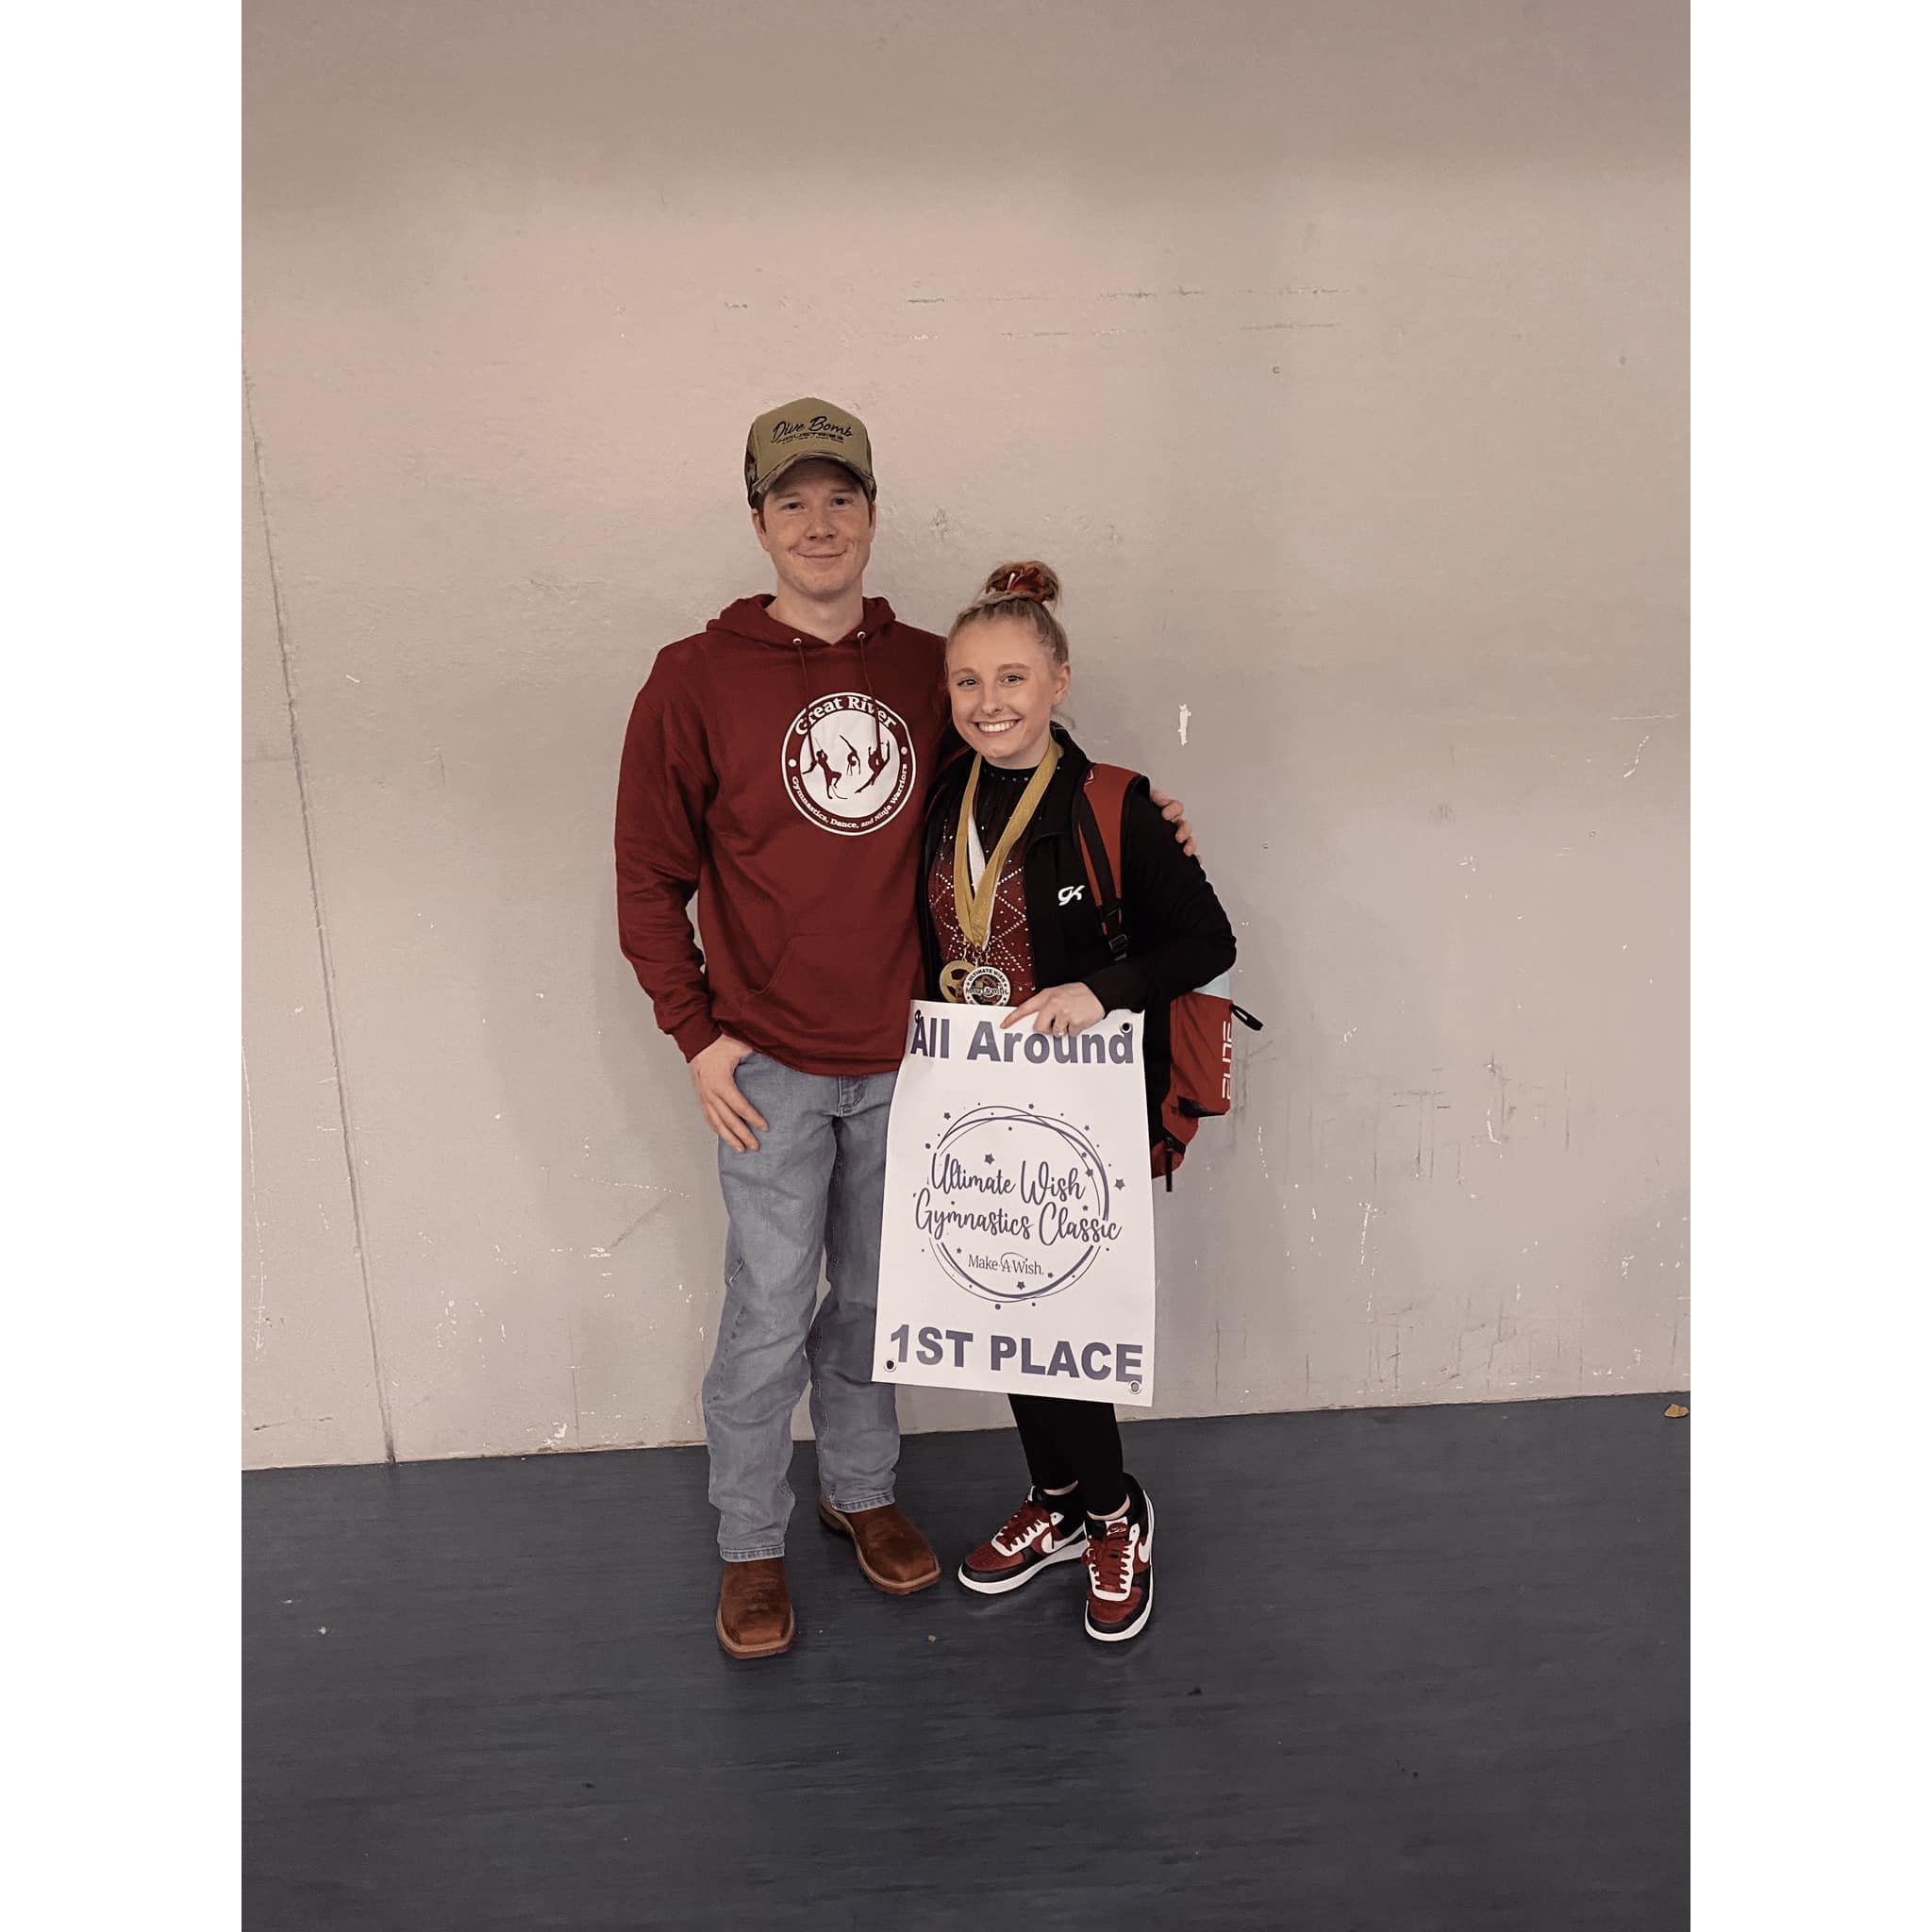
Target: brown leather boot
point(755, 1609)
point(893, 1555)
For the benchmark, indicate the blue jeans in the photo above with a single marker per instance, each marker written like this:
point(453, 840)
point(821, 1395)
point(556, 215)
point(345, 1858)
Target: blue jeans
point(813, 1193)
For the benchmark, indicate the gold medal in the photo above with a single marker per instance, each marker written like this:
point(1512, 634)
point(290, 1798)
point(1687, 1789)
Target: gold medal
point(977, 883)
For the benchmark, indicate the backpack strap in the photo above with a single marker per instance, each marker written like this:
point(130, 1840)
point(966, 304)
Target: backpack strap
point(1099, 809)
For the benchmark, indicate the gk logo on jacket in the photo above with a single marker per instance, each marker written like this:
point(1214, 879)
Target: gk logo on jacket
point(1018, 1252)
point(849, 764)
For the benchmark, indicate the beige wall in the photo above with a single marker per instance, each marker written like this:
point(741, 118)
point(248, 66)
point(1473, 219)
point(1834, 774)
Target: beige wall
point(1336, 354)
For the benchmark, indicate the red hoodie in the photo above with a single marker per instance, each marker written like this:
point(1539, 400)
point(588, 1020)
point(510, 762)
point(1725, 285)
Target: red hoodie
point(781, 778)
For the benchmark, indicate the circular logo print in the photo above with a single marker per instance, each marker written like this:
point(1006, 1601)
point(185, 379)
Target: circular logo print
point(848, 762)
point(1019, 1205)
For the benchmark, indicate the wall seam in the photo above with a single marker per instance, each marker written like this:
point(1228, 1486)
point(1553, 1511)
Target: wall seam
point(328, 976)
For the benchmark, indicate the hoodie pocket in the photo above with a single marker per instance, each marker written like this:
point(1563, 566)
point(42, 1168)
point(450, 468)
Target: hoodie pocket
point(777, 972)
point(841, 983)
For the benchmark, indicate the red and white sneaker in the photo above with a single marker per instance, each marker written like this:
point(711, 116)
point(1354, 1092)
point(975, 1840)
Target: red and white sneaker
point(1042, 1531)
point(1119, 1571)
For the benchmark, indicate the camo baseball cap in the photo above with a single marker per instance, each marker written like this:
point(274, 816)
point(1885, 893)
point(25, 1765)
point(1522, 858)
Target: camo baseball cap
point(795, 431)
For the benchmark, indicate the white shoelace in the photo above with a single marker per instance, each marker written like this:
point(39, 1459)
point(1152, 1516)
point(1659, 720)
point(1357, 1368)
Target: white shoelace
point(1006, 1544)
point(1112, 1548)
point(1044, 1522)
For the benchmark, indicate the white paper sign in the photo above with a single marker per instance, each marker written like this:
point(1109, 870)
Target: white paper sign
point(1018, 1252)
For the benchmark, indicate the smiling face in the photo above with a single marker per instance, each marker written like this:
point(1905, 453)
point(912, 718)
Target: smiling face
point(1003, 685)
point(816, 525)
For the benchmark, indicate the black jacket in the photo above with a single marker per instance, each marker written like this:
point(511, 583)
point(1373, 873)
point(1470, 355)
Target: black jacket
point(1178, 938)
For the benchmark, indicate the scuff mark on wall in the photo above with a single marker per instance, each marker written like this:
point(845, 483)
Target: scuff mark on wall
point(611, 1247)
point(1500, 1108)
point(353, 1161)
point(576, 1408)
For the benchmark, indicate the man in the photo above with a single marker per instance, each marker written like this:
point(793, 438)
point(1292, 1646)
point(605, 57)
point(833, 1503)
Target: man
point(774, 765)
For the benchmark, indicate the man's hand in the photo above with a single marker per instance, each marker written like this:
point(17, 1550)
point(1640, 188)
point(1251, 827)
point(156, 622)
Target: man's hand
point(1069, 1008)
point(727, 1112)
point(1176, 813)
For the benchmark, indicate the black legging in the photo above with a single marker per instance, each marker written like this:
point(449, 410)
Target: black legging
point(1073, 1442)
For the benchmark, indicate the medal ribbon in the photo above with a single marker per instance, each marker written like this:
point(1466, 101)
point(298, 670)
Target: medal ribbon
point(972, 898)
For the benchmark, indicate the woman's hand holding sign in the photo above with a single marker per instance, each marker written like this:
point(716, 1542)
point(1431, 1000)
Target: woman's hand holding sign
point(1070, 1008)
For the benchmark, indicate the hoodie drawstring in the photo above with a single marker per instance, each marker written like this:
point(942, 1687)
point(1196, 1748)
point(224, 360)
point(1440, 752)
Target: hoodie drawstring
point(878, 744)
point(878, 750)
point(804, 675)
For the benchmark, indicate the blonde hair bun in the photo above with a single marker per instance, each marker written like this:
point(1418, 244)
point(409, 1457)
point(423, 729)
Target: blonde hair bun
point(1029, 581)
point(1023, 592)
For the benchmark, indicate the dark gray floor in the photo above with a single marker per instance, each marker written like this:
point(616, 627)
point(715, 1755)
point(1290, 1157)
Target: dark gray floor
point(1419, 1668)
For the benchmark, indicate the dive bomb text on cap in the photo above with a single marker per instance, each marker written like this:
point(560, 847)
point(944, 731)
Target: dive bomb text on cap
point(795, 431)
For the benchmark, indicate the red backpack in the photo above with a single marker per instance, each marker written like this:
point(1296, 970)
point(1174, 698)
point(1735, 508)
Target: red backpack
point(1200, 1073)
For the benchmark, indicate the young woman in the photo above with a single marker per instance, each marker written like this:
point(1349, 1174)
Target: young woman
point(1035, 944)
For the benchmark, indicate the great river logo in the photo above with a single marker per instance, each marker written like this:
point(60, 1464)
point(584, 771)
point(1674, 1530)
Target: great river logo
point(849, 764)
point(1016, 1204)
